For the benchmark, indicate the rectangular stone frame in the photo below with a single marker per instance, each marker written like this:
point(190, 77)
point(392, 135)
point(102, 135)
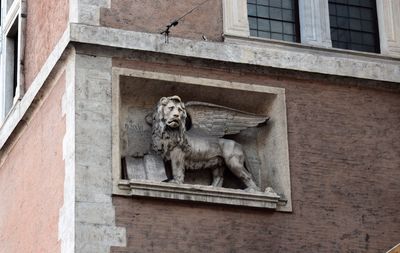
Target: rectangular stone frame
point(276, 145)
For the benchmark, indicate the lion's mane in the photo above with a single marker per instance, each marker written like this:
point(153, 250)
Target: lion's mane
point(165, 138)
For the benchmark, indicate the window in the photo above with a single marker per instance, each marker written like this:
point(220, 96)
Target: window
point(1, 35)
point(11, 66)
point(274, 19)
point(8, 4)
point(11, 55)
point(354, 25)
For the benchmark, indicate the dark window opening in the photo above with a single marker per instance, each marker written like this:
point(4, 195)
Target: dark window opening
point(274, 19)
point(354, 25)
point(12, 45)
point(15, 60)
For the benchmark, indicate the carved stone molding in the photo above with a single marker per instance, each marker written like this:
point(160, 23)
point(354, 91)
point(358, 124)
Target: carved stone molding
point(253, 51)
point(201, 193)
point(389, 26)
point(235, 18)
point(135, 93)
point(314, 23)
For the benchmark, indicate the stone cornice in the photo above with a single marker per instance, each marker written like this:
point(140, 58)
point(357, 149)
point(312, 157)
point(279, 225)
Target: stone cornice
point(246, 51)
point(266, 53)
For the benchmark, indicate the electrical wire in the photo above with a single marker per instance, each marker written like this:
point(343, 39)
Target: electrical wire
point(166, 31)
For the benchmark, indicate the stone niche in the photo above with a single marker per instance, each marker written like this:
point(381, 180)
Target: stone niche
point(135, 94)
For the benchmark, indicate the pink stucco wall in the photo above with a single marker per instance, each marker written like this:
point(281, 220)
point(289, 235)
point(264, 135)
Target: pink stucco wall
point(47, 20)
point(32, 179)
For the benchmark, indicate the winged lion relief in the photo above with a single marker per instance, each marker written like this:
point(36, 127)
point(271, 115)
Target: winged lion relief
point(191, 137)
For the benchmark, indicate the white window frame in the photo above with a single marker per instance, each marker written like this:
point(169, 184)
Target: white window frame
point(314, 23)
point(389, 26)
point(12, 14)
point(313, 15)
point(1, 34)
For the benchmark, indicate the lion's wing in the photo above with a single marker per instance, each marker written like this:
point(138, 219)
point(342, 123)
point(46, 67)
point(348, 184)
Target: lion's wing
point(219, 120)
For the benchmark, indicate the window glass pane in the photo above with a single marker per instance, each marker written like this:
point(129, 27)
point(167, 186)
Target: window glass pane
point(342, 10)
point(288, 15)
point(263, 24)
point(354, 12)
point(252, 9)
point(332, 9)
point(276, 36)
point(288, 28)
point(354, 2)
point(264, 34)
point(288, 4)
point(339, 1)
point(11, 65)
point(332, 20)
point(368, 39)
point(356, 37)
point(343, 35)
point(262, 11)
point(367, 3)
point(276, 26)
point(367, 26)
point(253, 32)
point(362, 48)
point(263, 2)
point(276, 13)
point(343, 22)
point(253, 23)
point(289, 38)
point(335, 44)
point(366, 14)
point(334, 34)
point(343, 45)
point(275, 3)
point(354, 24)
point(274, 19)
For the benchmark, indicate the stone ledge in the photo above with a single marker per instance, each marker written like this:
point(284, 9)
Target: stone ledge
point(268, 54)
point(200, 193)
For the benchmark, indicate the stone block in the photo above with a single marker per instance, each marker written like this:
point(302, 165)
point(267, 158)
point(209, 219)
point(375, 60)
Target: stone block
point(149, 167)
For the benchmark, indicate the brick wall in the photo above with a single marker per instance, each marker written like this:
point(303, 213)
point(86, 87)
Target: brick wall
point(154, 16)
point(344, 160)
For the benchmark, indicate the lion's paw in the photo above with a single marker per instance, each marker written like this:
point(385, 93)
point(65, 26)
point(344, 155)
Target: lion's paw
point(174, 181)
point(252, 189)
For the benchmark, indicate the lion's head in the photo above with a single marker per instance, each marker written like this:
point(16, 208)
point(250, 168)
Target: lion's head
point(169, 120)
point(172, 111)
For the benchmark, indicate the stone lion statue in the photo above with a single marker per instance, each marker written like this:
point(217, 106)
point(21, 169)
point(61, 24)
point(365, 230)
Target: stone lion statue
point(190, 137)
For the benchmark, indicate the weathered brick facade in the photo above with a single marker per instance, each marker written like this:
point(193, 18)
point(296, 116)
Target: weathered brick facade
point(344, 165)
point(58, 190)
point(153, 16)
